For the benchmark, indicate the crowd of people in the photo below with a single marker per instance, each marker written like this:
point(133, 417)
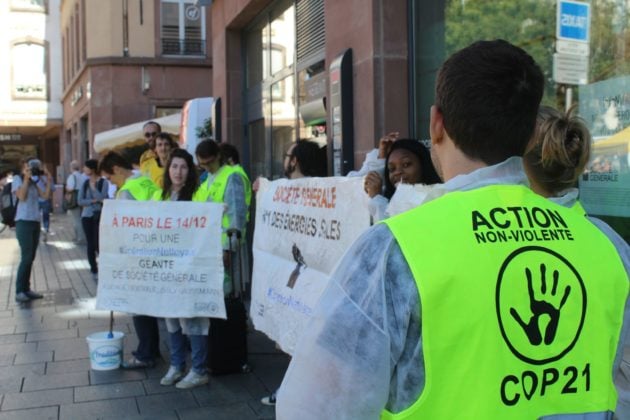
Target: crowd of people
point(414, 316)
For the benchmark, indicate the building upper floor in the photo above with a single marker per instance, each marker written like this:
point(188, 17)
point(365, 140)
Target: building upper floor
point(136, 29)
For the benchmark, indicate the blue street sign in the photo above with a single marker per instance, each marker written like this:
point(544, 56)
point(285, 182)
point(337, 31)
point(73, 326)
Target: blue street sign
point(573, 21)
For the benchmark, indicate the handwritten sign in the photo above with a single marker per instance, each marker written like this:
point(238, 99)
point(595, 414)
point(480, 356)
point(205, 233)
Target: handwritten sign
point(161, 258)
point(303, 227)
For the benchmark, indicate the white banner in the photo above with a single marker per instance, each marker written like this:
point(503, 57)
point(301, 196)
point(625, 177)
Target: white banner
point(161, 258)
point(303, 227)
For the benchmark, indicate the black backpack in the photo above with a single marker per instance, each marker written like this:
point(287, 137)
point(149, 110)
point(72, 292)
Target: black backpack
point(8, 206)
point(99, 186)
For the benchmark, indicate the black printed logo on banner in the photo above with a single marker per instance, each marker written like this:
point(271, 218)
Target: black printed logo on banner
point(541, 304)
point(301, 266)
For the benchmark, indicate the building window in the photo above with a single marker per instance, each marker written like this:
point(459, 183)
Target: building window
point(183, 28)
point(28, 6)
point(28, 61)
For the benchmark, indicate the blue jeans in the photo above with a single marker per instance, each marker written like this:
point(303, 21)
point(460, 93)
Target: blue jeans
point(45, 207)
point(199, 346)
point(27, 233)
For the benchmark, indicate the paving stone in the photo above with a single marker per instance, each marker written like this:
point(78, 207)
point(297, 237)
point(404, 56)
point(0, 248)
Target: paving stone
point(119, 408)
point(48, 413)
point(104, 392)
point(13, 401)
point(52, 335)
point(7, 359)
point(152, 386)
point(172, 415)
point(12, 339)
point(17, 348)
point(10, 384)
point(155, 404)
point(19, 371)
point(33, 357)
point(239, 411)
point(55, 324)
point(98, 377)
point(62, 380)
point(7, 329)
point(68, 366)
point(218, 394)
point(6, 314)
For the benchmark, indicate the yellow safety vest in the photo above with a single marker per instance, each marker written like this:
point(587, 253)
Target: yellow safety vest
point(214, 189)
point(141, 188)
point(150, 168)
point(518, 322)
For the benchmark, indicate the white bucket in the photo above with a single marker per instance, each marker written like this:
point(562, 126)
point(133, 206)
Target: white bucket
point(105, 353)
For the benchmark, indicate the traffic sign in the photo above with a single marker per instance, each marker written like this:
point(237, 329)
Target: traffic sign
point(570, 69)
point(573, 21)
point(572, 47)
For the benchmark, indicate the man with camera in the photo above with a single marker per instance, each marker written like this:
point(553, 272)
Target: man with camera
point(28, 189)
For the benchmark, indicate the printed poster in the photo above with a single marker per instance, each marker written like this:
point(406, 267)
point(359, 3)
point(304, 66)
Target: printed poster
point(162, 259)
point(303, 227)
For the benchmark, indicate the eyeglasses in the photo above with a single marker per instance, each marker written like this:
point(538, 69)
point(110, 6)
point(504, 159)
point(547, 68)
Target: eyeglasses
point(150, 134)
point(289, 155)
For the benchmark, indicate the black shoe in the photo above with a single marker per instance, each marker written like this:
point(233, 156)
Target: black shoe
point(22, 297)
point(33, 295)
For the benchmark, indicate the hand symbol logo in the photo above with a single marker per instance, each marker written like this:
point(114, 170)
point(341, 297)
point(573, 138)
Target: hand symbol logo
point(550, 312)
point(541, 307)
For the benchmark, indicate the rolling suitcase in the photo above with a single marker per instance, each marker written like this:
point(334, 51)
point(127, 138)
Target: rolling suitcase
point(227, 350)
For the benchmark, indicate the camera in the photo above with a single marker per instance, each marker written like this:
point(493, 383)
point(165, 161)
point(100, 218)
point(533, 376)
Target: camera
point(36, 167)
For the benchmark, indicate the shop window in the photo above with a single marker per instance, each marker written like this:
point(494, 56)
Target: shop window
point(183, 28)
point(282, 40)
point(29, 73)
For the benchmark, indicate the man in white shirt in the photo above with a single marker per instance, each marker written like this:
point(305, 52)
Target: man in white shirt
point(73, 184)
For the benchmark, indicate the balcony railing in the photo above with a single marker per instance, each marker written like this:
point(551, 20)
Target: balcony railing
point(177, 46)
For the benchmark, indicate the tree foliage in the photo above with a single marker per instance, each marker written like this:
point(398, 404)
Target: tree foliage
point(531, 25)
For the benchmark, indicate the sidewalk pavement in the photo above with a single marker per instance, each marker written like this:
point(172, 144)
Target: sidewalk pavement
point(44, 363)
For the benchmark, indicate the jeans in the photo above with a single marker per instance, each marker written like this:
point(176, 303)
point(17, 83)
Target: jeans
point(90, 228)
point(199, 346)
point(27, 233)
point(148, 338)
point(79, 236)
point(45, 207)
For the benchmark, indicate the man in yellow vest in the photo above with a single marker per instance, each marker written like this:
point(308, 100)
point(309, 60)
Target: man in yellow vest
point(132, 186)
point(231, 156)
point(224, 185)
point(488, 302)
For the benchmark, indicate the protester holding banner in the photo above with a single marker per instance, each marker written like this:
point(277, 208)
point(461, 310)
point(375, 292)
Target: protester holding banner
point(91, 195)
point(154, 168)
point(224, 185)
point(408, 162)
point(138, 187)
point(431, 308)
point(228, 338)
point(180, 183)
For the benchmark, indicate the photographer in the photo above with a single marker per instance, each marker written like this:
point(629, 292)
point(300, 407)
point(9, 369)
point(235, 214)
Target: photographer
point(28, 191)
